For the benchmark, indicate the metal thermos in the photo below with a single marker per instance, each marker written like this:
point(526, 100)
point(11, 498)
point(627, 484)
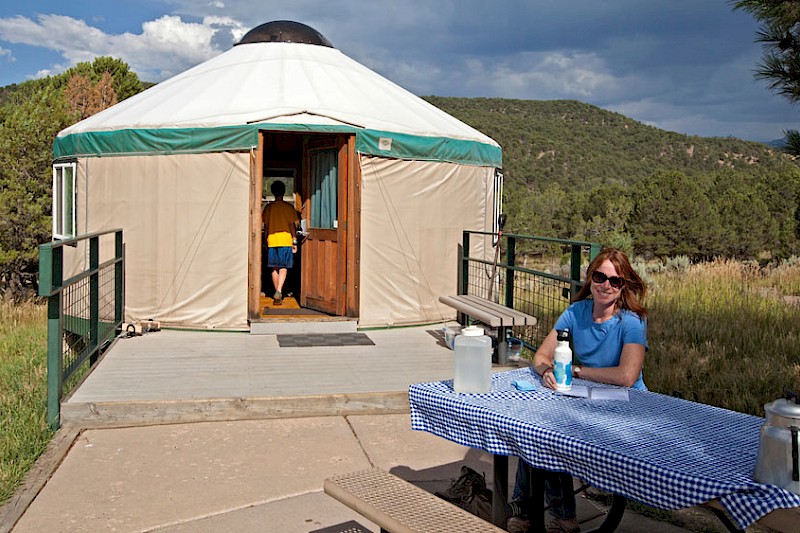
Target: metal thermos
point(778, 462)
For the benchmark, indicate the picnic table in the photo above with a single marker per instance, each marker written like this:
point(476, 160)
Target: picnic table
point(662, 451)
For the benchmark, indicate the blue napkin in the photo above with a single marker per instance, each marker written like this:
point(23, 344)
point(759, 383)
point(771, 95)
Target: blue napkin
point(523, 384)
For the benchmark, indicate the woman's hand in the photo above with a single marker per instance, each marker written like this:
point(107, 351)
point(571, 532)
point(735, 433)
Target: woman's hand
point(543, 360)
point(549, 379)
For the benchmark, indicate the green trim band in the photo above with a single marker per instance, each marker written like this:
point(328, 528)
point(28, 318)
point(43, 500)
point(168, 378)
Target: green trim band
point(163, 141)
point(152, 141)
point(417, 147)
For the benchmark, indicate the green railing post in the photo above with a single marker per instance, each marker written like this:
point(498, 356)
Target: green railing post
point(51, 277)
point(594, 249)
point(94, 298)
point(575, 268)
point(465, 264)
point(119, 294)
point(511, 257)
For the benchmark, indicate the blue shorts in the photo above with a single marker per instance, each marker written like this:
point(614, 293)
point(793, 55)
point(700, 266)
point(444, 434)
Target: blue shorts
point(280, 257)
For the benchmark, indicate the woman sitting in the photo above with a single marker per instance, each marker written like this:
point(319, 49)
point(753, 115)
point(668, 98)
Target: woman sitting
point(609, 337)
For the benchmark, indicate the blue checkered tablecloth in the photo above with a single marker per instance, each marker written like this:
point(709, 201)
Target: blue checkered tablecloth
point(659, 450)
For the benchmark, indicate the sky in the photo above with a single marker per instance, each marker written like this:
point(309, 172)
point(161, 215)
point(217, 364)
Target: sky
point(680, 65)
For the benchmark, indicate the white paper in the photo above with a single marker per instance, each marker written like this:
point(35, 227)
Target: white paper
point(578, 391)
point(605, 393)
point(596, 393)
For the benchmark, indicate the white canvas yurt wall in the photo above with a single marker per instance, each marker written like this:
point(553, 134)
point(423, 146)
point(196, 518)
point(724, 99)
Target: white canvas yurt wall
point(185, 223)
point(412, 217)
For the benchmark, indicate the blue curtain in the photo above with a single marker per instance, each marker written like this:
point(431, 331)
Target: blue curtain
point(324, 187)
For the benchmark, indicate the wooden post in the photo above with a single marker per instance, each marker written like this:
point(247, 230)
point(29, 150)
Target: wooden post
point(255, 238)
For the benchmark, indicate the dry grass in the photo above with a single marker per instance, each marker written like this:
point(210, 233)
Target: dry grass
point(718, 337)
point(23, 391)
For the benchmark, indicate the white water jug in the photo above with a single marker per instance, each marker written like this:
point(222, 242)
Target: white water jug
point(472, 361)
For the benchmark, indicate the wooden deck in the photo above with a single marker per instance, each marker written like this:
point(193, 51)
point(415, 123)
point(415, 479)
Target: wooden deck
point(176, 376)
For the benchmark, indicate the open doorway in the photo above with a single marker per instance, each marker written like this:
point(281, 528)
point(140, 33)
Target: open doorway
point(317, 172)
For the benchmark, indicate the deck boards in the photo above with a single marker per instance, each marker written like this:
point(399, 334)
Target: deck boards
point(178, 365)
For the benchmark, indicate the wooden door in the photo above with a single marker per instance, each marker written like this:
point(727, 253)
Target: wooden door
point(323, 270)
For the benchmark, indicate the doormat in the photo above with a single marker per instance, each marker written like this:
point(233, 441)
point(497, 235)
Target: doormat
point(324, 339)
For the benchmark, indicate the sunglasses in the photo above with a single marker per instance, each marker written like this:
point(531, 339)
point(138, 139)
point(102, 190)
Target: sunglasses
point(600, 278)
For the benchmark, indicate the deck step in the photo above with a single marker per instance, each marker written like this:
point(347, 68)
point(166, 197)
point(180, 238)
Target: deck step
point(303, 326)
point(154, 412)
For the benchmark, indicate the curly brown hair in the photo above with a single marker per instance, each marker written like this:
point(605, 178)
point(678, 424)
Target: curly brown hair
point(634, 289)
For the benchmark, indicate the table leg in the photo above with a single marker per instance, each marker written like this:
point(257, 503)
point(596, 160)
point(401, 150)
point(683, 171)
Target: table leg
point(726, 521)
point(536, 512)
point(500, 493)
point(614, 516)
point(502, 346)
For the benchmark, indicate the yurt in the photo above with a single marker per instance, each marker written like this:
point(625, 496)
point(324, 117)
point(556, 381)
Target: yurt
point(384, 183)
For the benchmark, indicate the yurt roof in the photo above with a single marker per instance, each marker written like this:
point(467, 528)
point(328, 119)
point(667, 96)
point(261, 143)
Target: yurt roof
point(280, 77)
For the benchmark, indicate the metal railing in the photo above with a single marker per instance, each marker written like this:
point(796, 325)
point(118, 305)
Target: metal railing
point(534, 275)
point(84, 312)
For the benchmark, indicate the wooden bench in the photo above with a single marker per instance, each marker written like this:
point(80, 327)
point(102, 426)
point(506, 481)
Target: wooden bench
point(399, 507)
point(493, 315)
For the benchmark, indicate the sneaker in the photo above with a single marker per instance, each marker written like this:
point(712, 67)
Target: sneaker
point(518, 524)
point(563, 525)
point(277, 298)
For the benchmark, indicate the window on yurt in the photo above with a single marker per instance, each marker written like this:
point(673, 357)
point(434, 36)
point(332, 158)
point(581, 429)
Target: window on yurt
point(497, 202)
point(64, 200)
point(286, 175)
point(324, 188)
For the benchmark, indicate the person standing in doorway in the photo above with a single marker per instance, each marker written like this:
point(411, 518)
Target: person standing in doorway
point(280, 227)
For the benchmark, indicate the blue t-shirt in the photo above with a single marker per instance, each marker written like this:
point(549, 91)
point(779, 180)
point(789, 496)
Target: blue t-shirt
point(599, 345)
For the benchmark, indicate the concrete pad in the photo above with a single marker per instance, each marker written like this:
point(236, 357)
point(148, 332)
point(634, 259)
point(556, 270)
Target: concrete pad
point(422, 458)
point(135, 479)
point(390, 442)
point(251, 475)
point(298, 514)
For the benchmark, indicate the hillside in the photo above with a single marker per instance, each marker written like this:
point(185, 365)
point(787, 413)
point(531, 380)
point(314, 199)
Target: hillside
point(581, 146)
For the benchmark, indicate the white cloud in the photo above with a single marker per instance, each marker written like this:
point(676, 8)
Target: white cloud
point(6, 55)
point(165, 47)
point(534, 75)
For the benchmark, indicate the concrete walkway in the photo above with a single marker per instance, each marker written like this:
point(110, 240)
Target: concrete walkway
point(254, 475)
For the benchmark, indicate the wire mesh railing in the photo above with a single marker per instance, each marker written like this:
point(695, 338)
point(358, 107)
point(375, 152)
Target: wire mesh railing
point(84, 312)
point(534, 275)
